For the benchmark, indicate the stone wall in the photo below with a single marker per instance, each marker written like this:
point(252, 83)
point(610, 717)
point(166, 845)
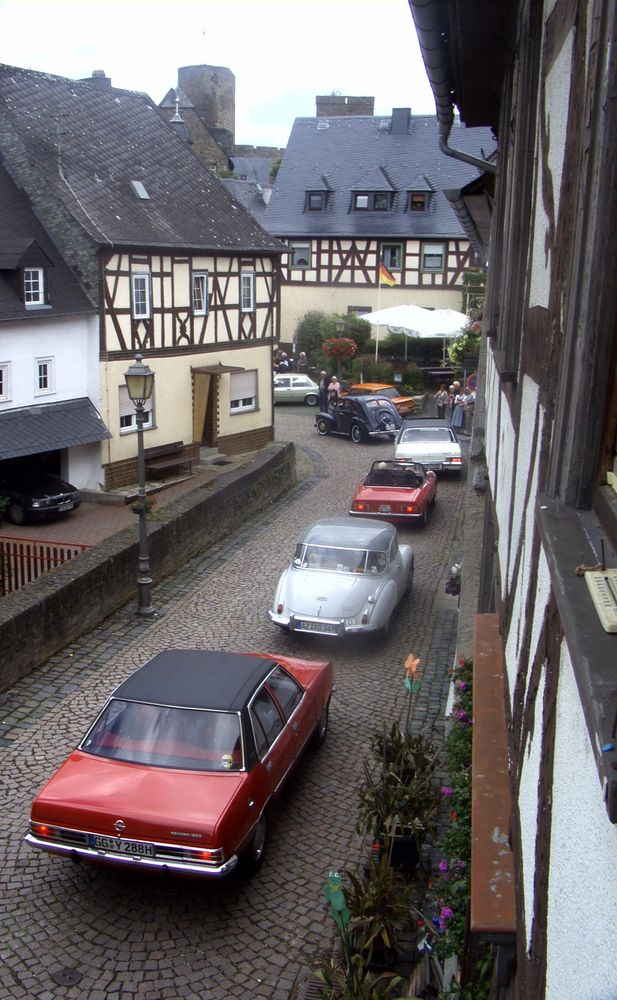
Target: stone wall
point(57, 608)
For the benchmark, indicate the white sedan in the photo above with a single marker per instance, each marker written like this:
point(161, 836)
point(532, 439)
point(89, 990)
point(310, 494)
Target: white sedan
point(345, 578)
point(433, 443)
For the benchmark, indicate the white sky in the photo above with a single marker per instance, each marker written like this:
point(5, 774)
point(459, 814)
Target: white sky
point(282, 52)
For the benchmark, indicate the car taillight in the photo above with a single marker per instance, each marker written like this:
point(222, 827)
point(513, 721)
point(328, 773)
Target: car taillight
point(212, 856)
point(409, 508)
point(42, 830)
point(360, 506)
point(279, 609)
point(365, 618)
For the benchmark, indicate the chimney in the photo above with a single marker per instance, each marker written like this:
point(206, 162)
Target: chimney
point(401, 120)
point(98, 80)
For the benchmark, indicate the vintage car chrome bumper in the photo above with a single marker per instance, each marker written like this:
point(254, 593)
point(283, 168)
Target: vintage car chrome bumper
point(320, 626)
point(178, 866)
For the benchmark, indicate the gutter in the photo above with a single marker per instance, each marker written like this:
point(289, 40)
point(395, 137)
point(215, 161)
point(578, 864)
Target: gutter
point(431, 21)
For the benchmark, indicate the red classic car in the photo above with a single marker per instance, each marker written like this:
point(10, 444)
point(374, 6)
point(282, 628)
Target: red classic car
point(396, 491)
point(179, 769)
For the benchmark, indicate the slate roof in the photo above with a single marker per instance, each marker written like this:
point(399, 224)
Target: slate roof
point(361, 153)
point(19, 230)
point(29, 430)
point(249, 194)
point(89, 142)
point(253, 168)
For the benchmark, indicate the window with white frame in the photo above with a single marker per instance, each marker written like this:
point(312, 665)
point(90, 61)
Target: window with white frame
point(199, 293)
point(243, 392)
point(43, 376)
point(34, 286)
point(299, 254)
point(128, 414)
point(5, 381)
point(247, 291)
point(392, 255)
point(433, 257)
point(141, 295)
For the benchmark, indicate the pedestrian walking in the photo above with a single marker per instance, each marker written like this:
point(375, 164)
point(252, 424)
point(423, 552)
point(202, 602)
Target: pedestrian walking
point(441, 399)
point(324, 381)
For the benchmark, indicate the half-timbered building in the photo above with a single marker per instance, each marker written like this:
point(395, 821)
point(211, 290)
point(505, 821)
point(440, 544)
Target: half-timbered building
point(355, 192)
point(539, 598)
point(177, 270)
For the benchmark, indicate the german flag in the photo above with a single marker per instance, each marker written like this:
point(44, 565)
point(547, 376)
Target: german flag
point(385, 277)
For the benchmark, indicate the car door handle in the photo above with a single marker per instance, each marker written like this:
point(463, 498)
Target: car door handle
point(269, 766)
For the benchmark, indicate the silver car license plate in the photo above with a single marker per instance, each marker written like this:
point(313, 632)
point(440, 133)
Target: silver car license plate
point(67, 505)
point(323, 627)
point(117, 846)
point(385, 508)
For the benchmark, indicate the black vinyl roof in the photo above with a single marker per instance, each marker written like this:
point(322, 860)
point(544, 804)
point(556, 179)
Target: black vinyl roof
point(197, 678)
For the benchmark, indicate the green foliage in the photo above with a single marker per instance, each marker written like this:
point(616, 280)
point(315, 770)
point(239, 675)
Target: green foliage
point(467, 345)
point(274, 169)
point(402, 796)
point(310, 333)
point(379, 911)
point(354, 980)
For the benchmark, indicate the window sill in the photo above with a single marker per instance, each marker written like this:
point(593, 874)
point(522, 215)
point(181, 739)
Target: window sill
point(572, 538)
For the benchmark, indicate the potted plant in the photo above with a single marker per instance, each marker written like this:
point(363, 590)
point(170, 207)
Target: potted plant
point(399, 804)
point(379, 913)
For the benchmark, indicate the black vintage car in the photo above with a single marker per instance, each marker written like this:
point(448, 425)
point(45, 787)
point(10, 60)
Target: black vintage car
point(360, 418)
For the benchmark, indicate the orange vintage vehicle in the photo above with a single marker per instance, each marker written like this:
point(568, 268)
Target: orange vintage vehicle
point(404, 405)
point(179, 770)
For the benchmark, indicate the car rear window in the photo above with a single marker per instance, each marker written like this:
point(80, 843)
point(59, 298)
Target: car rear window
point(339, 560)
point(426, 434)
point(163, 736)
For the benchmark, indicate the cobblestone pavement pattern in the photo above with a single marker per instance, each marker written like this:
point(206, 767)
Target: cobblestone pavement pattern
point(75, 931)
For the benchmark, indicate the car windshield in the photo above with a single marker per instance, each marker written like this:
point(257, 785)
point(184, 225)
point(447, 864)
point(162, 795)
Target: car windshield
point(392, 475)
point(162, 736)
point(390, 393)
point(427, 435)
point(339, 560)
point(374, 403)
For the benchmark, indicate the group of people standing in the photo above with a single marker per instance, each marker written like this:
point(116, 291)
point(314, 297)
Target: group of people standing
point(457, 404)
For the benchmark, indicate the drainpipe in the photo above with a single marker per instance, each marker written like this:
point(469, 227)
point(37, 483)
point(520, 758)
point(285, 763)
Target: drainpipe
point(431, 20)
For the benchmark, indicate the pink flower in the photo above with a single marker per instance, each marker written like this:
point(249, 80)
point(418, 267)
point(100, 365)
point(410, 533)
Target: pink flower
point(443, 866)
point(446, 913)
point(446, 791)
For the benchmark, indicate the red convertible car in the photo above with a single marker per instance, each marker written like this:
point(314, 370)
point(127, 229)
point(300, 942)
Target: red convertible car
point(179, 769)
point(396, 491)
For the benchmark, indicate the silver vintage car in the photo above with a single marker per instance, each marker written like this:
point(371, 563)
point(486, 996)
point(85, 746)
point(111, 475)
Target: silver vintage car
point(345, 578)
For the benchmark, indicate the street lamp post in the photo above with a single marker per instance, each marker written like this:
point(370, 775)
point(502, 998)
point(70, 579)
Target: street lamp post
point(140, 383)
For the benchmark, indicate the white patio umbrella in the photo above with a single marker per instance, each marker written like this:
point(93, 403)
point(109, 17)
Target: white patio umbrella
point(414, 321)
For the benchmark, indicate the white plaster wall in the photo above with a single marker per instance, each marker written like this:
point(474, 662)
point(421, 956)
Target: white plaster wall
point(557, 101)
point(72, 342)
point(82, 466)
point(582, 891)
point(528, 809)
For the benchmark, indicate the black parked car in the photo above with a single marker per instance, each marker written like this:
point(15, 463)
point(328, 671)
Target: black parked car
point(34, 496)
point(360, 418)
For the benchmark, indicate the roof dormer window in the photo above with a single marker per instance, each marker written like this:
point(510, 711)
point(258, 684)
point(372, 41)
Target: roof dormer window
point(374, 201)
point(316, 201)
point(418, 201)
point(35, 287)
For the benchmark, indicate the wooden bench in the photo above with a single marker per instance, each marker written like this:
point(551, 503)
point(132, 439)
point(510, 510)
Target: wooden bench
point(161, 459)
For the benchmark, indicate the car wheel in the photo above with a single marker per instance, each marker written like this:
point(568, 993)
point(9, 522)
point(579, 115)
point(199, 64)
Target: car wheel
point(424, 520)
point(322, 427)
point(355, 434)
point(16, 513)
point(255, 851)
point(311, 399)
point(434, 499)
point(322, 727)
point(409, 583)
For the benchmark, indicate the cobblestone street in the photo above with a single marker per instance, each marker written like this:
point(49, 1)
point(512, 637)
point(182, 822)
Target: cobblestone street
point(75, 931)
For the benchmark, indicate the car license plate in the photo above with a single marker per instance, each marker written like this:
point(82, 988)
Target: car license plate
point(116, 846)
point(67, 505)
point(326, 627)
point(385, 508)
point(435, 466)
